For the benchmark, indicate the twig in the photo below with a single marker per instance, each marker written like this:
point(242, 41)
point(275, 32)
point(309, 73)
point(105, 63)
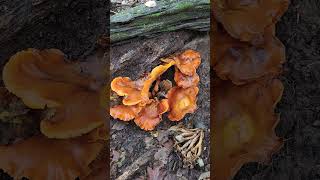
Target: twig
point(142, 160)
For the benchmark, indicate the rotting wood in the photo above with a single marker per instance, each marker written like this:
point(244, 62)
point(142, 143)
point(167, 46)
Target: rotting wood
point(168, 15)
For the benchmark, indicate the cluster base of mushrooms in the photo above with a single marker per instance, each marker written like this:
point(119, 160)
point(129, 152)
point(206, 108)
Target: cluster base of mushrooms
point(247, 59)
point(73, 126)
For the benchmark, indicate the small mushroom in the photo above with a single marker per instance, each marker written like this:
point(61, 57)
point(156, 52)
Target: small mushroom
point(151, 115)
point(131, 90)
point(136, 92)
point(125, 113)
point(186, 81)
point(188, 62)
point(182, 101)
point(153, 76)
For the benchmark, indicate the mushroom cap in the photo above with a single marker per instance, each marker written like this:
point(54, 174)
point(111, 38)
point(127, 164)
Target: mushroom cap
point(137, 92)
point(186, 81)
point(125, 113)
point(81, 114)
point(39, 158)
point(151, 115)
point(153, 76)
point(244, 122)
point(42, 78)
point(242, 62)
point(182, 101)
point(124, 86)
point(236, 16)
point(188, 62)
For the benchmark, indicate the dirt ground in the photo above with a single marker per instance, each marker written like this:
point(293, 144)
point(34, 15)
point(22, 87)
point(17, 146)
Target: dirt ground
point(299, 159)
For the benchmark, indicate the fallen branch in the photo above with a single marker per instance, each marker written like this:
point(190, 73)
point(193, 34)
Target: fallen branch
point(142, 160)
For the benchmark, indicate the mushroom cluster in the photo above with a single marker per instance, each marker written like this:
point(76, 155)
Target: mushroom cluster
point(72, 125)
point(247, 59)
point(141, 101)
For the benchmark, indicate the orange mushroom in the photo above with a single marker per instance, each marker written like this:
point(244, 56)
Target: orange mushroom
point(185, 81)
point(43, 78)
point(151, 115)
point(39, 158)
point(124, 86)
point(136, 92)
point(242, 62)
point(153, 76)
point(144, 107)
point(244, 122)
point(125, 113)
point(188, 62)
point(81, 114)
point(181, 102)
point(247, 20)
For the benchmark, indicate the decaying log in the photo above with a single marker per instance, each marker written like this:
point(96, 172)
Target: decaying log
point(143, 21)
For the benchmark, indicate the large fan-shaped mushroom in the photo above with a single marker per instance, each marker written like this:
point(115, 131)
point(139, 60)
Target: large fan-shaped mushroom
point(247, 20)
point(242, 62)
point(244, 125)
point(43, 78)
